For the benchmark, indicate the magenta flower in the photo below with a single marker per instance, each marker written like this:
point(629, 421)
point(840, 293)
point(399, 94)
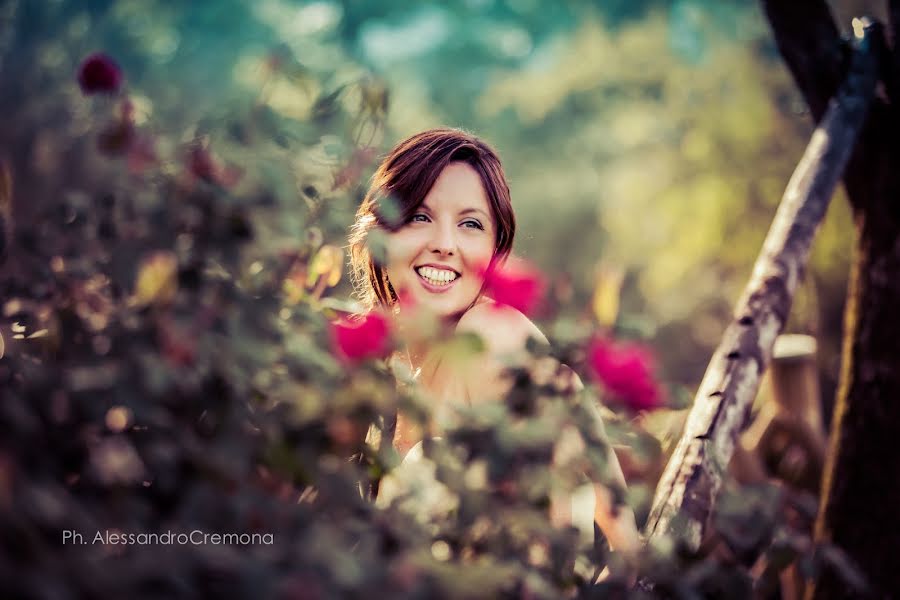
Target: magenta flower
point(626, 371)
point(361, 338)
point(516, 284)
point(99, 73)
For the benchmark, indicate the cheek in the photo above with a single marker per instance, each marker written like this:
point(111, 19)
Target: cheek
point(401, 250)
point(399, 247)
point(480, 252)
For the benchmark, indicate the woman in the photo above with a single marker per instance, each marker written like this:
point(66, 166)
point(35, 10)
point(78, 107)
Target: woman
point(441, 206)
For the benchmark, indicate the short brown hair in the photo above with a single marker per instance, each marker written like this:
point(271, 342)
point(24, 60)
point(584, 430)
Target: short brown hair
point(403, 179)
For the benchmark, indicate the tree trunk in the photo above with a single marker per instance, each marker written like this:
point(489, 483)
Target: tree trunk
point(860, 508)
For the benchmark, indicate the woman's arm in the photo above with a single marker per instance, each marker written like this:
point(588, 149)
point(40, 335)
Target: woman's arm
point(616, 521)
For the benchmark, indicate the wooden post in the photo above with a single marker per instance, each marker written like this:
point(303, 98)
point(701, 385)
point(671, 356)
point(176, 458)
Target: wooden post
point(795, 380)
point(787, 439)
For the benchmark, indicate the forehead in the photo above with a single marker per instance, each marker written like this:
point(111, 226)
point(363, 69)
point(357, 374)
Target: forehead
point(457, 188)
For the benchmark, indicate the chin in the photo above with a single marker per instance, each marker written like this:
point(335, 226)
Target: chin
point(445, 311)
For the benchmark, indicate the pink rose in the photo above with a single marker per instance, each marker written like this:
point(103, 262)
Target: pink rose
point(626, 371)
point(99, 73)
point(516, 284)
point(361, 338)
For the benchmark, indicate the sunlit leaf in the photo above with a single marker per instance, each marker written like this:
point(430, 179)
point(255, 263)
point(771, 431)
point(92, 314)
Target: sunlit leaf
point(157, 279)
point(606, 294)
point(326, 266)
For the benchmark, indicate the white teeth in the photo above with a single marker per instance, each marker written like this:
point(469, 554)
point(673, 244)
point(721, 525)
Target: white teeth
point(436, 276)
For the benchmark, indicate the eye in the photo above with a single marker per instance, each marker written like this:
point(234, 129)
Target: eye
point(419, 218)
point(473, 224)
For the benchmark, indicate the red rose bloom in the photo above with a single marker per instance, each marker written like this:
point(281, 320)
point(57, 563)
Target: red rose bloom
point(515, 284)
point(99, 73)
point(626, 371)
point(358, 339)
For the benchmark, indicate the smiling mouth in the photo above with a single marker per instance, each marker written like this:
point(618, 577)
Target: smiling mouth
point(436, 278)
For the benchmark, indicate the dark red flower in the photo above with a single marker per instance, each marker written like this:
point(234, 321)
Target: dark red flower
point(626, 371)
point(360, 338)
point(178, 348)
point(516, 284)
point(99, 74)
point(202, 165)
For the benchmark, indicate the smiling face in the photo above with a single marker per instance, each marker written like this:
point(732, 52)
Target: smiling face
point(472, 202)
point(437, 256)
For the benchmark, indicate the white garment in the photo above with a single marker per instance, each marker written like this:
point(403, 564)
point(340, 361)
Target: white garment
point(414, 486)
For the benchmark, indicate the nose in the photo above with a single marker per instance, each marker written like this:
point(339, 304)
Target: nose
point(443, 241)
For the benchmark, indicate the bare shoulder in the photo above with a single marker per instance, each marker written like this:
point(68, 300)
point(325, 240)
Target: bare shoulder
point(505, 332)
point(503, 328)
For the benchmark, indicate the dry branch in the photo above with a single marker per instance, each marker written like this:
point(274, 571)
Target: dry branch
point(687, 490)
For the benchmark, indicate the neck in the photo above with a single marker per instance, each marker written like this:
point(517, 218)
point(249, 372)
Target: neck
point(419, 337)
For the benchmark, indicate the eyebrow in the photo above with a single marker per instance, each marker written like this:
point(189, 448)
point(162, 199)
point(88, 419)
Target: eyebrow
point(464, 211)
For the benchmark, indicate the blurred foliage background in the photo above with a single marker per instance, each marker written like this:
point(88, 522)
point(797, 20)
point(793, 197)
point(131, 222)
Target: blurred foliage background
point(647, 144)
point(648, 141)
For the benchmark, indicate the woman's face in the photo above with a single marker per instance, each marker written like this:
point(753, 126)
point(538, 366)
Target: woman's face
point(437, 258)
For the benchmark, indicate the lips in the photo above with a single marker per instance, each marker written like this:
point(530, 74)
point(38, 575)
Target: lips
point(436, 279)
